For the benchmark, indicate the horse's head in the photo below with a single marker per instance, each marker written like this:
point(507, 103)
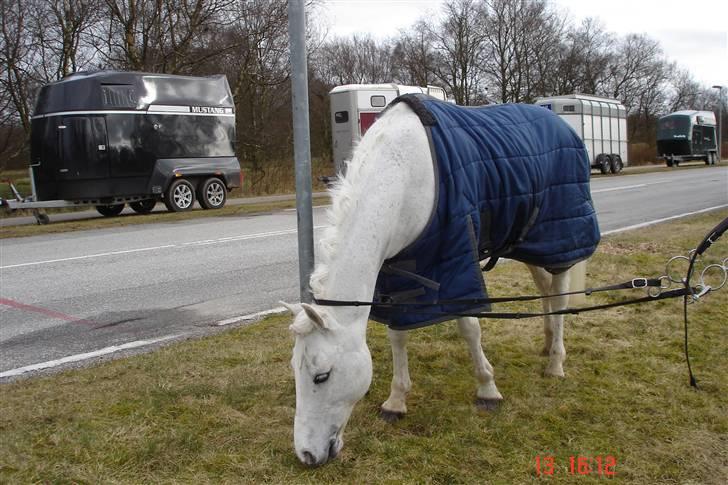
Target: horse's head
point(333, 369)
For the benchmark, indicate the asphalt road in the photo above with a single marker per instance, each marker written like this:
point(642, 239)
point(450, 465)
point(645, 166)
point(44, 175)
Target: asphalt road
point(98, 291)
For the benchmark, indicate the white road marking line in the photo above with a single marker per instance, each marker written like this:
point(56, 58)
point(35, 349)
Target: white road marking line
point(88, 355)
point(623, 187)
point(252, 316)
point(628, 187)
point(88, 256)
point(313, 207)
point(664, 219)
point(166, 246)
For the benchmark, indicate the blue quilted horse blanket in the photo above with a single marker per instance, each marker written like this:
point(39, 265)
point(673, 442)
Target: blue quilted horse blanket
point(512, 180)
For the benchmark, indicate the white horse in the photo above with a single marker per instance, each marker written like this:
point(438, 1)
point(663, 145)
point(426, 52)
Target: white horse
point(380, 207)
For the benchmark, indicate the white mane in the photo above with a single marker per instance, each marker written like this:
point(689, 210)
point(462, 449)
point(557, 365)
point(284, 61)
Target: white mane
point(345, 194)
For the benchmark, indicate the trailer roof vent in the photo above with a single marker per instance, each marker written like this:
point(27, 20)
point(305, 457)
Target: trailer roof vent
point(569, 108)
point(119, 96)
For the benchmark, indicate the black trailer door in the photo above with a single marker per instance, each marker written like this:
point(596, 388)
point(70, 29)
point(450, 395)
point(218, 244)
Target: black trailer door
point(82, 148)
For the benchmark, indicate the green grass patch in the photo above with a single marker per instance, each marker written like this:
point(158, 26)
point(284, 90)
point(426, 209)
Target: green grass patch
point(220, 409)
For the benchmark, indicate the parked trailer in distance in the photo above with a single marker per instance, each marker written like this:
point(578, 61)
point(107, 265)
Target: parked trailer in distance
point(687, 135)
point(109, 138)
point(354, 108)
point(600, 122)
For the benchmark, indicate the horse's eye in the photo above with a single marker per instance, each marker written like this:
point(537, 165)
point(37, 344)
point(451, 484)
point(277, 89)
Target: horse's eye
point(319, 378)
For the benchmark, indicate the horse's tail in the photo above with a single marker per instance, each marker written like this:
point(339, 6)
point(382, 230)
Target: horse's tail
point(577, 282)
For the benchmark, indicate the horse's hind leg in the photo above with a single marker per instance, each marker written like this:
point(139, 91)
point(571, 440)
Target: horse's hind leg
point(487, 395)
point(549, 284)
point(395, 406)
point(542, 278)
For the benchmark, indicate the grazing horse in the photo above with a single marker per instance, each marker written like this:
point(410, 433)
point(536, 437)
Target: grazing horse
point(406, 225)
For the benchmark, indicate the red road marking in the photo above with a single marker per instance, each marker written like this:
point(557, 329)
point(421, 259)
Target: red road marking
point(43, 311)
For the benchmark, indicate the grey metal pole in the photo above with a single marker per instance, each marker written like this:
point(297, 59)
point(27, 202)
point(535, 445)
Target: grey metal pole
point(301, 143)
point(720, 120)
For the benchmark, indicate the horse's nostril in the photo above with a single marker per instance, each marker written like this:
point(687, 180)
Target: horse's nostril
point(332, 449)
point(308, 458)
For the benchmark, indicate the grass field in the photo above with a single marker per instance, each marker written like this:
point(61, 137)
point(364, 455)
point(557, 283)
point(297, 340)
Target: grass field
point(220, 409)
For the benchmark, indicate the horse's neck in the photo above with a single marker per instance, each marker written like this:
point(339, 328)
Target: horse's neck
point(391, 199)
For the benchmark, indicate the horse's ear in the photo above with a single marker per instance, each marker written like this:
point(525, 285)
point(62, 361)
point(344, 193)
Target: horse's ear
point(294, 308)
point(318, 318)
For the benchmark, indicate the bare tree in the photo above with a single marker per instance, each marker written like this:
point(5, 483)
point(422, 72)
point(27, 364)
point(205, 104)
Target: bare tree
point(685, 91)
point(584, 56)
point(356, 60)
point(414, 56)
point(17, 55)
point(458, 45)
point(631, 67)
point(170, 36)
point(60, 28)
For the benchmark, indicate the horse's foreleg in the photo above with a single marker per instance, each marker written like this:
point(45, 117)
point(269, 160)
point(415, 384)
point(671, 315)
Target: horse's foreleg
point(395, 406)
point(487, 395)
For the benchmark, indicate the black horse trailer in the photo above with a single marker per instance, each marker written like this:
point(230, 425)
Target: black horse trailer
point(687, 135)
point(109, 138)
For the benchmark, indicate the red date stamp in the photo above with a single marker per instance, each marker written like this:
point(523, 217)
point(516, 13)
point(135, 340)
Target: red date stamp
point(547, 465)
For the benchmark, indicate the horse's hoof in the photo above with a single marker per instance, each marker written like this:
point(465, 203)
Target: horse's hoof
point(558, 373)
point(487, 404)
point(390, 416)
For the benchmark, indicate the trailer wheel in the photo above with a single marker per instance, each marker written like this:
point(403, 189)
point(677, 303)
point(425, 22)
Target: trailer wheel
point(617, 165)
point(110, 210)
point(180, 196)
point(143, 206)
point(604, 162)
point(669, 161)
point(212, 193)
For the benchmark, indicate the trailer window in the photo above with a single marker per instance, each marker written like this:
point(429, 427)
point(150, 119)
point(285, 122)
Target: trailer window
point(673, 127)
point(569, 108)
point(341, 117)
point(378, 101)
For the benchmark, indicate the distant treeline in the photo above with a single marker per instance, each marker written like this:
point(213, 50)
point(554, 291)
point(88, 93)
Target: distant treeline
point(479, 51)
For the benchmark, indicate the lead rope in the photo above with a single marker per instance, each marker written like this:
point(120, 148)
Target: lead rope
point(704, 288)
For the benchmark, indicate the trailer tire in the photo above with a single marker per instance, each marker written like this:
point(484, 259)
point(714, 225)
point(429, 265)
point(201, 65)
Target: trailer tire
point(180, 196)
point(212, 193)
point(617, 165)
point(143, 206)
point(604, 162)
point(110, 210)
point(668, 161)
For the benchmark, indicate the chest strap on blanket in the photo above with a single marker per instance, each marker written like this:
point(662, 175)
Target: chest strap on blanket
point(485, 243)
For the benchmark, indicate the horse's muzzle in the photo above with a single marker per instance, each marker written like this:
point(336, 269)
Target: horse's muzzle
point(311, 460)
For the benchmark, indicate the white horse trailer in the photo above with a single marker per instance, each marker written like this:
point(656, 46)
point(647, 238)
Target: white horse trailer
point(354, 108)
point(600, 122)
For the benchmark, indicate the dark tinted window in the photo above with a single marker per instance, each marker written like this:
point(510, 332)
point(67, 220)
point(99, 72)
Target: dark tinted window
point(341, 116)
point(673, 127)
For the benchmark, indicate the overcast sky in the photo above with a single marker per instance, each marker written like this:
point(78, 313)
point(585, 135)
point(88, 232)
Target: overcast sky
point(693, 33)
